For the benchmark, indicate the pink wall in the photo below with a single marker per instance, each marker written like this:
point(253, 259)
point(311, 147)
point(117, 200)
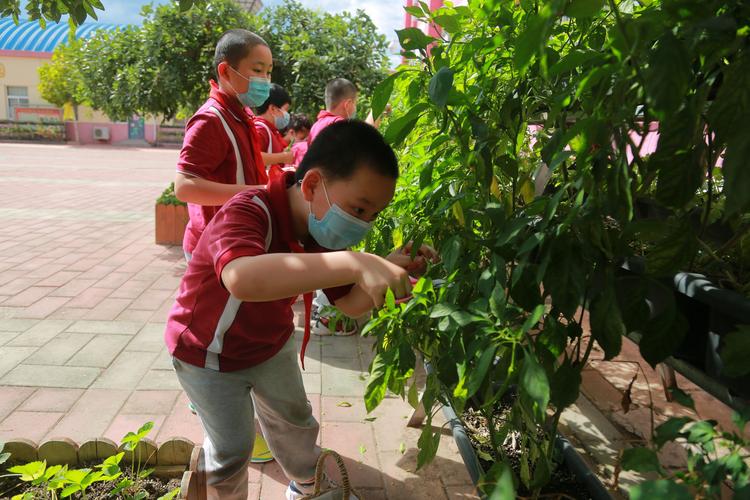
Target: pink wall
point(118, 132)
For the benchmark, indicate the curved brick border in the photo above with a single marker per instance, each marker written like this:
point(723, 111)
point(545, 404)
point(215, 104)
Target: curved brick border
point(175, 457)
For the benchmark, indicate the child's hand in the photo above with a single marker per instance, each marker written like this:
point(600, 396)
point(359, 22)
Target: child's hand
point(377, 275)
point(417, 266)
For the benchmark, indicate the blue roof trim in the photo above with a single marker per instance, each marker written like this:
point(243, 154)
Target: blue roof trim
point(29, 36)
point(52, 36)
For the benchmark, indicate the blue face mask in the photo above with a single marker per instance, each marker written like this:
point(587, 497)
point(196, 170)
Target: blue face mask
point(258, 90)
point(282, 121)
point(338, 229)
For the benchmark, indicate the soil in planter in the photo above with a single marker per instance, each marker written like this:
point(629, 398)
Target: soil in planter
point(153, 486)
point(562, 485)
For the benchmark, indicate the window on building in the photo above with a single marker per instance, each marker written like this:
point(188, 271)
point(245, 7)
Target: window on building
point(18, 97)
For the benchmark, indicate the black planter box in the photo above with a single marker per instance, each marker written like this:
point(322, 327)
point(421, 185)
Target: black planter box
point(711, 313)
point(571, 459)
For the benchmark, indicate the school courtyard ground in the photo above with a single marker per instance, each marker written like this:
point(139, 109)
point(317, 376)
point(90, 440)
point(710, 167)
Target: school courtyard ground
point(84, 295)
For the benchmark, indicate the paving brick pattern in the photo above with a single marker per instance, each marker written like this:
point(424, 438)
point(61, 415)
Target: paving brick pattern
point(84, 293)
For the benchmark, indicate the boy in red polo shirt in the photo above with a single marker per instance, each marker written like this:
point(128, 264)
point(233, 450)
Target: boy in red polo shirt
point(220, 155)
point(270, 117)
point(230, 330)
point(341, 103)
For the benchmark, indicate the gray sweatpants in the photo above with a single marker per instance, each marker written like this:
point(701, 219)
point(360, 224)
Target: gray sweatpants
point(226, 410)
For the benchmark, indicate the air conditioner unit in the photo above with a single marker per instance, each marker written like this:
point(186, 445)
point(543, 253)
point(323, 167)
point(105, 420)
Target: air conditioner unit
point(101, 133)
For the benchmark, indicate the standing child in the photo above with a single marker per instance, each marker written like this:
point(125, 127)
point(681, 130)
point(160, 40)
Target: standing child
point(220, 155)
point(230, 330)
point(300, 129)
point(271, 117)
point(341, 104)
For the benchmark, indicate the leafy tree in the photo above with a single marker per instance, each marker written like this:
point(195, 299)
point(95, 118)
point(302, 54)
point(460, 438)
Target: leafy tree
point(312, 47)
point(61, 82)
point(78, 10)
point(160, 68)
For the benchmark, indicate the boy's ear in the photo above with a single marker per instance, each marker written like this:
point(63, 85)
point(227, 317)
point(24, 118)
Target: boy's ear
point(310, 183)
point(222, 69)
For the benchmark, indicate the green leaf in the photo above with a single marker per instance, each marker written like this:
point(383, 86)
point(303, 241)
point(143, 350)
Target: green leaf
point(30, 471)
point(378, 381)
point(673, 251)
point(451, 252)
point(69, 490)
point(584, 8)
point(662, 488)
point(413, 39)
point(479, 372)
point(382, 94)
point(464, 318)
point(413, 395)
point(529, 43)
point(121, 486)
point(428, 445)
point(448, 21)
point(502, 487)
point(682, 397)
point(662, 329)
point(442, 309)
point(533, 319)
point(415, 11)
point(185, 5)
point(565, 385)
point(440, 86)
point(534, 384)
point(702, 432)
point(146, 472)
point(571, 61)
point(170, 495)
point(737, 174)
point(670, 430)
point(400, 127)
point(667, 76)
point(640, 460)
point(728, 112)
point(390, 300)
point(607, 327)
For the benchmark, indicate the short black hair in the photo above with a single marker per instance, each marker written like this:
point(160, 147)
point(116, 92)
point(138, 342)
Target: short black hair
point(300, 121)
point(278, 96)
point(343, 147)
point(234, 46)
point(337, 90)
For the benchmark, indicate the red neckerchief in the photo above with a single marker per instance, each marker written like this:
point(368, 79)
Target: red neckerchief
point(233, 105)
point(307, 298)
point(281, 211)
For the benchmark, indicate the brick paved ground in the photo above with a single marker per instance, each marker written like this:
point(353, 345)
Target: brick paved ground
point(84, 293)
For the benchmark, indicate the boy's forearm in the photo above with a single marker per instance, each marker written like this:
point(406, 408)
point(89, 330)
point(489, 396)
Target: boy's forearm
point(204, 192)
point(276, 276)
point(275, 158)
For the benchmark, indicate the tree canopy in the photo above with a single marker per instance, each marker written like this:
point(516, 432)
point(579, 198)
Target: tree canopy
point(162, 67)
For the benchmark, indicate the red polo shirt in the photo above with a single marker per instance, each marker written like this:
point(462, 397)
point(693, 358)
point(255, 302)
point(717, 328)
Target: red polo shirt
point(325, 118)
point(208, 327)
point(270, 140)
point(207, 152)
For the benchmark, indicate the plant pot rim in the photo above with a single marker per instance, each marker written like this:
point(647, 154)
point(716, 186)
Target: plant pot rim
point(700, 287)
